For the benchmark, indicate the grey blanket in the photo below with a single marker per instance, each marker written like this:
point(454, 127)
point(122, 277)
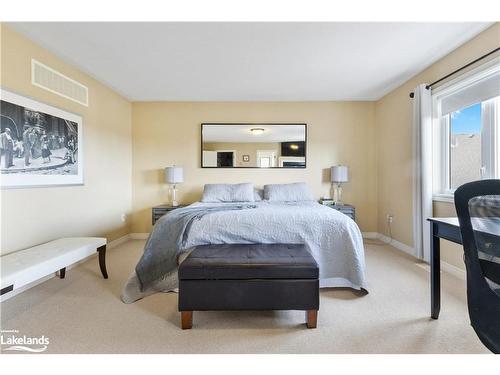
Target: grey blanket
point(168, 238)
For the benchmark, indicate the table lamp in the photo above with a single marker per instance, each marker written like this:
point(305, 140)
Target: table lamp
point(174, 175)
point(339, 174)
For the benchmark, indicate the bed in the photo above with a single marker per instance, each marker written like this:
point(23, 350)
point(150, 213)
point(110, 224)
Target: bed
point(333, 238)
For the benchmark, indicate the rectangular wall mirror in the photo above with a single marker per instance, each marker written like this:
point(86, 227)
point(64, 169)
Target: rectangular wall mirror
point(253, 145)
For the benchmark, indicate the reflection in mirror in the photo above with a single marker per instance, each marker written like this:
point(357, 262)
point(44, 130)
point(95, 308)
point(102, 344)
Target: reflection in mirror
point(253, 145)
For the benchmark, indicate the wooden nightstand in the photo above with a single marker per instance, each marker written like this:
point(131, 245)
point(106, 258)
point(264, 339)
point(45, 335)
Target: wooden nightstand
point(162, 209)
point(346, 209)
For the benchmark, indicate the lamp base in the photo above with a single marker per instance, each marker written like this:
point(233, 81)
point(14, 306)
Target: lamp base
point(174, 196)
point(338, 195)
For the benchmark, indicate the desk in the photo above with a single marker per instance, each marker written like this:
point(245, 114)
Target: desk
point(449, 229)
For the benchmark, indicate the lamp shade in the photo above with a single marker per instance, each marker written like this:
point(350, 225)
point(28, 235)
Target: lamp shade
point(174, 175)
point(339, 173)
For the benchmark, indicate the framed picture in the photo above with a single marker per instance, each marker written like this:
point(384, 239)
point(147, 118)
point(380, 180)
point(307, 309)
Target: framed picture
point(40, 145)
point(246, 158)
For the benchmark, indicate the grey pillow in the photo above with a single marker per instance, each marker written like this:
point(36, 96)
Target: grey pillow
point(295, 192)
point(228, 193)
point(258, 195)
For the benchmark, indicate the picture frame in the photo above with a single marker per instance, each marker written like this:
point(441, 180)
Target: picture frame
point(40, 145)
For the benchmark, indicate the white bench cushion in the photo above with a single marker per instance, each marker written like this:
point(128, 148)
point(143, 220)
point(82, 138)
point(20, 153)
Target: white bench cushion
point(25, 266)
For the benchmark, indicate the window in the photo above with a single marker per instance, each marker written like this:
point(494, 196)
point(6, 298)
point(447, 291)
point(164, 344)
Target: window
point(466, 130)
point(465, 146)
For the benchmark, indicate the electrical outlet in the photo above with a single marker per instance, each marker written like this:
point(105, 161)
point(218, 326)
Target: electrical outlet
point(123, 217)
point(390, 218)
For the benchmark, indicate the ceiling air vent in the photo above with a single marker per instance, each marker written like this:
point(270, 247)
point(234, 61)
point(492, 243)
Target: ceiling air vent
point(57, 83)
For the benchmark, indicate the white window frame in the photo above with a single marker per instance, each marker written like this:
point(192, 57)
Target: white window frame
point(490, 134)
point(489, 138)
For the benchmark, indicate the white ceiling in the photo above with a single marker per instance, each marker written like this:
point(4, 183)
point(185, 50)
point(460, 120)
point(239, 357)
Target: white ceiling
point(251, 61)
point(243, 134)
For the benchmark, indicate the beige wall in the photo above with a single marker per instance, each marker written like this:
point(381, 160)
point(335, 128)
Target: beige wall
point(166, 133)
point(245, 148)
point(34, 215)
point(393, 116)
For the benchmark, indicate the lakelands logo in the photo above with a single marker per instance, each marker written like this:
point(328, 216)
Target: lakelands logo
point(12, 341)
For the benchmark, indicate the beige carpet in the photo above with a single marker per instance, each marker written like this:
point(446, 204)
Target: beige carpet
point(83, 314)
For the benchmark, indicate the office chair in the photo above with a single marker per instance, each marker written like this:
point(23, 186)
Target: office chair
point(478, 208)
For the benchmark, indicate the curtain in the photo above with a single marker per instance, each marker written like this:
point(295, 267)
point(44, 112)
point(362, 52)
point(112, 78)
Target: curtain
point(422, 170)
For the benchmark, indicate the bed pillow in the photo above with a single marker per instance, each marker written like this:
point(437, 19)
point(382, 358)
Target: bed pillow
point(295, 192)
point(228, 193)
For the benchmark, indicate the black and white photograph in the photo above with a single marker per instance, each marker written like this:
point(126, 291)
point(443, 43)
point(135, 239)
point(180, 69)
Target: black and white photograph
point(40, 145)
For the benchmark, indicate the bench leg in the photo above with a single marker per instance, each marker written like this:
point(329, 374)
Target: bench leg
point(62, 273)
point(186, 319)
point(312, 318)
point(102, 260)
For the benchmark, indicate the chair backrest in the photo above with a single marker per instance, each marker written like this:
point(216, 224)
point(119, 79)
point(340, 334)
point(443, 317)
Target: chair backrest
point(478, 209)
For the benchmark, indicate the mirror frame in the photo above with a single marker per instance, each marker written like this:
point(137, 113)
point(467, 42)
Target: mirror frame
point(254, 124)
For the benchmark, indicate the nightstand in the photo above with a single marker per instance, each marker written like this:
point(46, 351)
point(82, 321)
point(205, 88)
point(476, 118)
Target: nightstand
point(162, 209)
point(346, 209)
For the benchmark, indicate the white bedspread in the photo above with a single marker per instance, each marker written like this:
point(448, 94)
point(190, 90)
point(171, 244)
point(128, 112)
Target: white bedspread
point(333, 238)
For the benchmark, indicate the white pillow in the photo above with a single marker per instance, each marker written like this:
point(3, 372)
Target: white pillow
point(228, 193)
point(295, 192)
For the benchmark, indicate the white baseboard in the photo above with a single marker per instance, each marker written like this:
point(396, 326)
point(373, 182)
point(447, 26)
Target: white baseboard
point(118, 241)
point(448, 268)
point(453, 270)
point(398, 245)
point(138, 236)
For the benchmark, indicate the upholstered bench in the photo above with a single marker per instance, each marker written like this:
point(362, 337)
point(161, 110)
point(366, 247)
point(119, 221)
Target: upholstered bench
point(23, 267)
point(249, 277)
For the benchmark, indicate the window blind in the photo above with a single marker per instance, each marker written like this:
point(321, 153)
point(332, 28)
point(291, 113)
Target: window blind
point(477, 91)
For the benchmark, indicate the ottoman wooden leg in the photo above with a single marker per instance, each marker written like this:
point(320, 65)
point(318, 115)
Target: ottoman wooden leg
point(312, 318)
point(186, 319)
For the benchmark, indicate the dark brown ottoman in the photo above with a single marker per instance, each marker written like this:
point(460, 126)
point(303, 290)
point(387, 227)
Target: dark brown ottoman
point(249, 277)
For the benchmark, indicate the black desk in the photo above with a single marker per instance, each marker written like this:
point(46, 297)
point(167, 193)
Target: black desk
point(449, 229)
